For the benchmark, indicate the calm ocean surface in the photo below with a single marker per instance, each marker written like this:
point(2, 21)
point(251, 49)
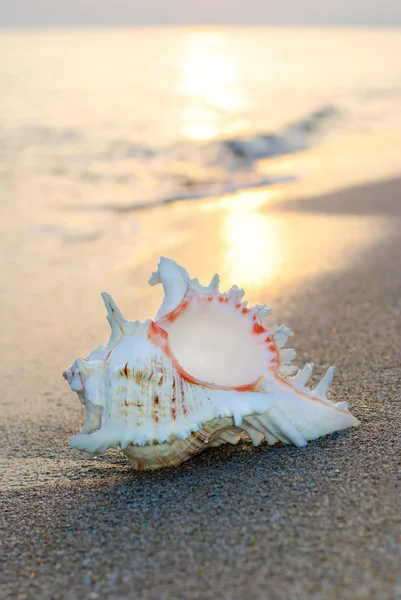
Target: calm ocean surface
point(130, 117)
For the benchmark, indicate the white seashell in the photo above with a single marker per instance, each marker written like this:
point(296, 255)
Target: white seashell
point(205, 371)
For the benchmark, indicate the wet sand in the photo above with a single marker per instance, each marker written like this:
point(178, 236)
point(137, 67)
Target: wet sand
point(235, 522)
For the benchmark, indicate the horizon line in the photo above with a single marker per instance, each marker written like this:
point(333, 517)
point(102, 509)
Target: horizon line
point(276, 25)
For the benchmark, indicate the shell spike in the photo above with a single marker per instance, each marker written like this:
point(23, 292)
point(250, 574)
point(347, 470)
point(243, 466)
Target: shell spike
point(324, 383)
point(263, 311)
point(303, 375)
point(286, 356)
point(86, 366)
point(214, 283)
point(237, 293)
point(174, 280)
point(118, 324)
point(281, 334)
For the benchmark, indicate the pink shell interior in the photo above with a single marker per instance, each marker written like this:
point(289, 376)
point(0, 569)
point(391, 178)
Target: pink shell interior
point(216, 341)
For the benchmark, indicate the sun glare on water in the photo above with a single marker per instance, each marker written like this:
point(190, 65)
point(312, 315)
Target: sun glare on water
point(252, 249)
point(252, 252)
point(208, 85)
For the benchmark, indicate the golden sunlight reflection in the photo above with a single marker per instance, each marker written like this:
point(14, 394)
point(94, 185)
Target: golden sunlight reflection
point(253, 250)
point(258, 244)
point(253, 254)
point(208, 82)
point(247, 201)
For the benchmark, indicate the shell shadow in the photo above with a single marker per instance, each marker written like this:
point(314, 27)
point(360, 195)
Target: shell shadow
point(266, 469)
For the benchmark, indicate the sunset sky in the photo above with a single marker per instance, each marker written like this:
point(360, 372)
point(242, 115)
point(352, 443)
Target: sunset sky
point(26, 13)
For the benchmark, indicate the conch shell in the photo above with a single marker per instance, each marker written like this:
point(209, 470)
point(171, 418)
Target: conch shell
point(207, 369)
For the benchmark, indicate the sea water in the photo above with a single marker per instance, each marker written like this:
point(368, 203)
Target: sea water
point(127, 118)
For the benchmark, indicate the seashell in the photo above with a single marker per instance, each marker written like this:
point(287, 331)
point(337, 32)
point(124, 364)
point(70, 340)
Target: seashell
point(206, 370)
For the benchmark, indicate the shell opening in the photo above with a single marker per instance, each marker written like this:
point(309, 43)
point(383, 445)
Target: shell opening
point(214, 341)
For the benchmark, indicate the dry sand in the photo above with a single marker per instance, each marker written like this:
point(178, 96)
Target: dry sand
point(236, 522)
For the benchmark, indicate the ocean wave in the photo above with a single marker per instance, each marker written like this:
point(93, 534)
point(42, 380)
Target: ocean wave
point(195, 170)
point(292, 138)
point(184, 170)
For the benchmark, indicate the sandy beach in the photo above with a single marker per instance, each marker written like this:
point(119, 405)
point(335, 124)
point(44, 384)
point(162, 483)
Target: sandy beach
point(235, 522)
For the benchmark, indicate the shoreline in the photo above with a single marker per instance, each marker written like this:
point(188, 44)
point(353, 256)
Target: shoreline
point(233, 522)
